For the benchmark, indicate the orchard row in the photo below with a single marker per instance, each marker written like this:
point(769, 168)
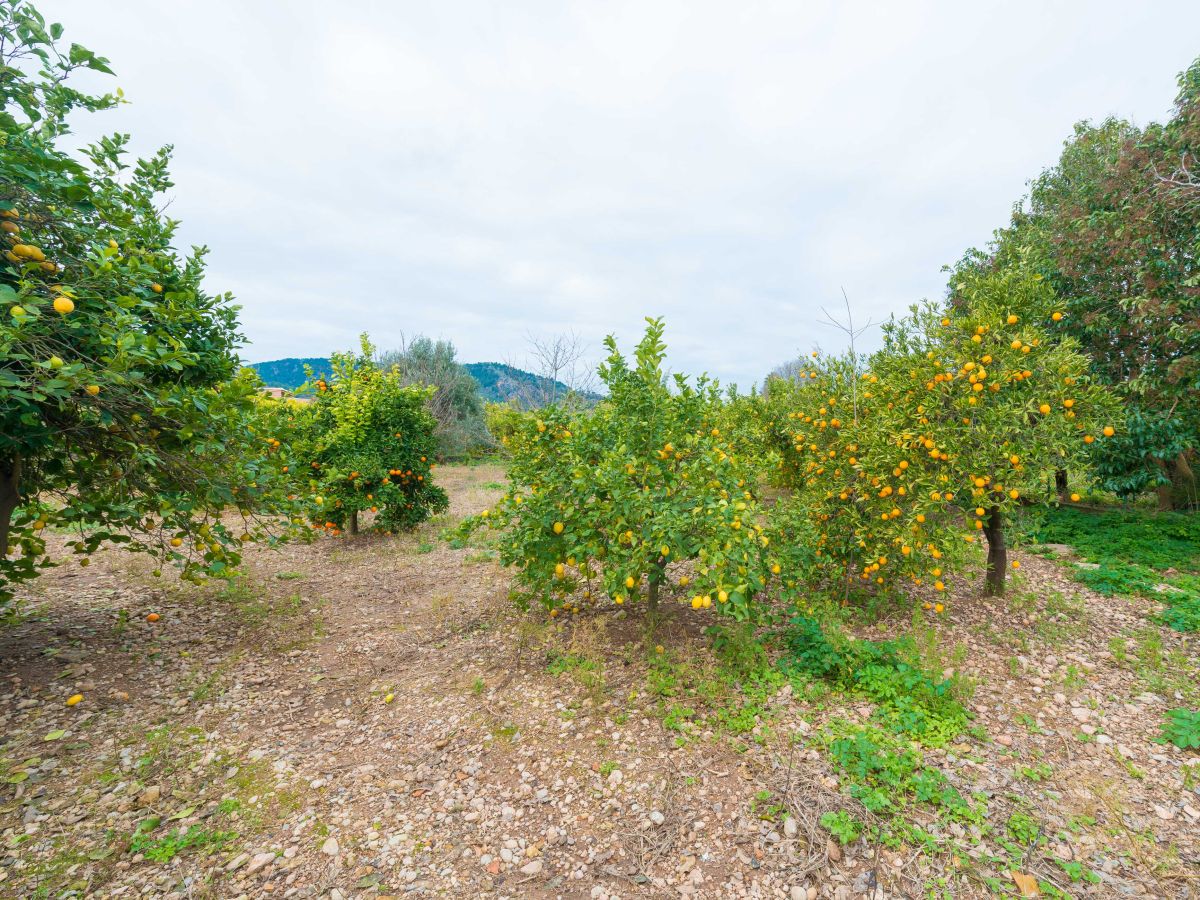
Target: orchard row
point(894, 469)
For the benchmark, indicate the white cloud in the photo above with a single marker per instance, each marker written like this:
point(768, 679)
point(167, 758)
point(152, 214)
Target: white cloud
point(479, 171)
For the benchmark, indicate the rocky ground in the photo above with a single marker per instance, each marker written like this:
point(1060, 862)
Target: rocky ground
point(370, 717)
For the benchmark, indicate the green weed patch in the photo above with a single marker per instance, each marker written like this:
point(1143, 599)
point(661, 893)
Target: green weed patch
point(909, 701)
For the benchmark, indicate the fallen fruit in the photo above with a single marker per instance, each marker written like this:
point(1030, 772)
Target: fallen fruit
point(153, 617)
point(73, 699)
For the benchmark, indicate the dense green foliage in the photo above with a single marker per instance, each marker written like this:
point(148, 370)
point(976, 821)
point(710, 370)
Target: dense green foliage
point(120, 414)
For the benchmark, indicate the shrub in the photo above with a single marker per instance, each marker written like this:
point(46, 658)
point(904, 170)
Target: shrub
point(614, 500)
point(366, 443)
point(455, 401)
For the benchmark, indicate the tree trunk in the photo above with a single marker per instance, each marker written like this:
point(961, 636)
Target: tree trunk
point(1183, 482)
point(997, 562)
point(1060, 485)
point(354, 521)
point(1165, 489)
point(10, 496)
point(658, 574)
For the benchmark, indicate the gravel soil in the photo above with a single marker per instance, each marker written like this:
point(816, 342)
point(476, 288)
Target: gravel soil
point(371, 717)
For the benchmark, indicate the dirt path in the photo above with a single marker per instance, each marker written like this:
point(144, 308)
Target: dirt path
point(370, 717)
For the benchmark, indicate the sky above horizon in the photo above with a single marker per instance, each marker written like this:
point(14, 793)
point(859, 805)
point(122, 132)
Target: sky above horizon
point(482, 172)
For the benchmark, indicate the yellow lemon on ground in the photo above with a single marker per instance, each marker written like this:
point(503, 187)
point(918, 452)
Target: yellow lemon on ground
point(74, 698)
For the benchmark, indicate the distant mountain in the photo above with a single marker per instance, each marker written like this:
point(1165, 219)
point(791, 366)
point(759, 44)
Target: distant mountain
point(498, 383)
point(288, 373)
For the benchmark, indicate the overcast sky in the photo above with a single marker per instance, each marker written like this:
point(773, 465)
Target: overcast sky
point(479, 171)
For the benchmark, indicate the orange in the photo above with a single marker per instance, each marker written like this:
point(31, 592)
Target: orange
point(153, 617)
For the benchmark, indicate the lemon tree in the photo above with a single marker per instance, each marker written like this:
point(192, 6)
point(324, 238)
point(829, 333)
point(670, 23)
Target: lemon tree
point(365, 443)
point(639, 498)
point(906, 463)
point(122, 417)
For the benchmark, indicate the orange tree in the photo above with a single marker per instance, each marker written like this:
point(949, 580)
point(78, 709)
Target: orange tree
point(961, 417)
point(365, 444)
point(122, 417)
point(614, 501)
